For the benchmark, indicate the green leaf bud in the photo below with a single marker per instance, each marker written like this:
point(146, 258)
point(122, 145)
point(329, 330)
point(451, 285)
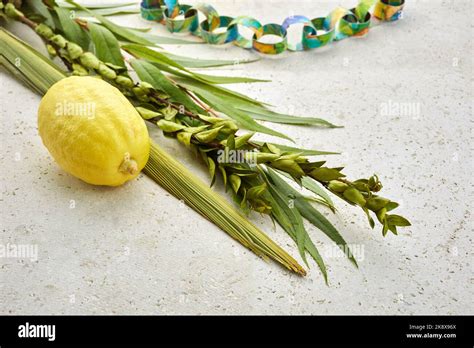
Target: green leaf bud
point(12, 12)
point(52, 52)
point(79, 70)
point(124, 81)
point(184, 138)
point(374, 183)
point(377, 203)
point(381, 215)
point(146, 85)
point(194, 130)
point(289, 166)
point(74, 50)
point(147, 114)
point(107, 72)
point(325, 174)
point(398, 220)
point(337, 186)
point(59, 41)
point(210, 119)
point(208, 136)
point(144, 98)
point(89, 60)
point(243, 140)
point(361, 186)
point(353, 195)
point(44, 31)
point(139, 91)
point(235, 182)
point(264, 157)
point(169, 127)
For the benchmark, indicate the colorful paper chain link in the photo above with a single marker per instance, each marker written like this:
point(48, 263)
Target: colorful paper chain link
point(339, 24)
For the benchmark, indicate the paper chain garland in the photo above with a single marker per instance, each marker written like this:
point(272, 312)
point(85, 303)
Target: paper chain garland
point(318, 32)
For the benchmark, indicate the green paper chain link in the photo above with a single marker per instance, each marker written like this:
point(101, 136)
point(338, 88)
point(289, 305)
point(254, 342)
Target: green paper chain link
point(318, 32)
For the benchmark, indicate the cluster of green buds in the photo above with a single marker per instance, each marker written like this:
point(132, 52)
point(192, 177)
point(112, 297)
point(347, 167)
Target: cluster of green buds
point(215, 139)
point(10, 10)
point(83, 63)
point(361, 193)
point(250, 190)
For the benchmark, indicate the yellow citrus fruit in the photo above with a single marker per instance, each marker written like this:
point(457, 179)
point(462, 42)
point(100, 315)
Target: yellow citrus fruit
point(92, 131)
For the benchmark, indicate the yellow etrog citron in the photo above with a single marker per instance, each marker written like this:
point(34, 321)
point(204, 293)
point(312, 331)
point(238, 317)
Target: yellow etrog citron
point(93, 131)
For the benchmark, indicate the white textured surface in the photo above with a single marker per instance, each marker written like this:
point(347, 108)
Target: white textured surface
point(135, 249)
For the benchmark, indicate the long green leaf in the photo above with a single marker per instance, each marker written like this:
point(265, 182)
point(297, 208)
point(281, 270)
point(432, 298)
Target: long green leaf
point(151, 74)
point(315, 187)
point(111, 11)
point(118, 30)
point(101, 4)
point(291, 221)
point(107, 48)
point(197, 86)
point(303, 152)
point(71, 29)
point(312, 215)
point(37, 7)
point(263, 114)
point(242, 119)
point(151, 55)
point(166, 40)
point(252, 107)
point(206, 63)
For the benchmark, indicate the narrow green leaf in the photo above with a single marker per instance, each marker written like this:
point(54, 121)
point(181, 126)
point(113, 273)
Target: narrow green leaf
point(303, 152)
point(165, 40)
point(242, 119)
point(113, 11)
point(263, 114)
point(316, 188)
point(313, 251)
point(281, 212)
point(212, 170)
point(118, 30)
point(398, 220)
point(147, 114)
point(312, 215)
point(197, 86)
point(151, 55)
point(226, 79)
point(102, 4)
point(206, 63)
point(151, 74)
point(290, 220)
point(141, 30)
point(326, 174)
point(107, 48)
point(72, 31)
point(35, 7)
